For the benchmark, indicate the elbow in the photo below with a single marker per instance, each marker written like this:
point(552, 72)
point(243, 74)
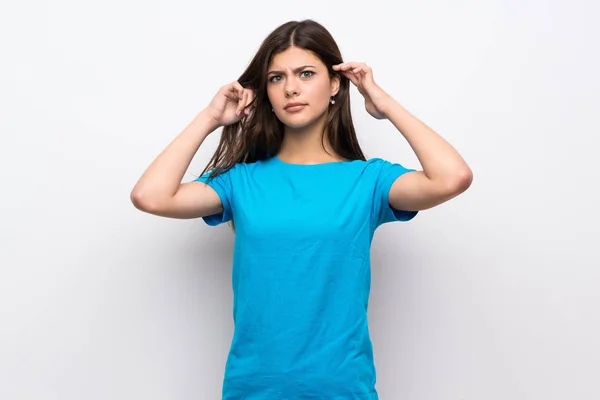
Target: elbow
point(137, 199)
point(142, 201)
point(460, 182)
point(465, 179)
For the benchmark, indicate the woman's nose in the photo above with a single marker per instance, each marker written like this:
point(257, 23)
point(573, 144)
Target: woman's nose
point(291, 88)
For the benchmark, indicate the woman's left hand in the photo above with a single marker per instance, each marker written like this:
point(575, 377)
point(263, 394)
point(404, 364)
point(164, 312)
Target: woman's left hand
point(361, 75)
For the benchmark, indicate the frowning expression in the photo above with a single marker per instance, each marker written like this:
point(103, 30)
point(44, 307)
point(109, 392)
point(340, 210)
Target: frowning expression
point(299, 87)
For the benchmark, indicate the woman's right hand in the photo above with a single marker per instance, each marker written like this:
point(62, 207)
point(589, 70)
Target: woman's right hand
point(230, 104)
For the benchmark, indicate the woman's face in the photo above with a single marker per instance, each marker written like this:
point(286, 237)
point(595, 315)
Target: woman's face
point(298, 76)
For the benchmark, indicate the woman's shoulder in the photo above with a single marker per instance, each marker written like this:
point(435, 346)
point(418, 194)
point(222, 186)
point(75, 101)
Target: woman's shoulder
point(374, 164)
point(246, 168)
point(376, 161)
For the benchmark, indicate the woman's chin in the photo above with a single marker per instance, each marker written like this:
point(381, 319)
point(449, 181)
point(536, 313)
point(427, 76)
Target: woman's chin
point(299, 121)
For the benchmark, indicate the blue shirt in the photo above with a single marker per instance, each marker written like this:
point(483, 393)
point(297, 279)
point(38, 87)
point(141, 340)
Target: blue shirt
point(301, 275)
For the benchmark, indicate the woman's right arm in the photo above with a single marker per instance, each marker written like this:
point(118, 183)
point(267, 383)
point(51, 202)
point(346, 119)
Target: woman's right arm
point(159, 191)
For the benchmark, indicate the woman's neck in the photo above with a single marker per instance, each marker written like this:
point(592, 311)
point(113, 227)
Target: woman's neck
point(304, 145)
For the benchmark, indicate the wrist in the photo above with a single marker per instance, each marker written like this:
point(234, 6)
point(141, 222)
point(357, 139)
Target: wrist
point(388, 105)
point(207, 121)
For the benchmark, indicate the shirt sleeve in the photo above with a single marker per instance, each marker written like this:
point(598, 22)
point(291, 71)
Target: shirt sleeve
point(387, 173)
point(223, 186)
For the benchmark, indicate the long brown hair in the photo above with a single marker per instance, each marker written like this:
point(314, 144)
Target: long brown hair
point(258, 136)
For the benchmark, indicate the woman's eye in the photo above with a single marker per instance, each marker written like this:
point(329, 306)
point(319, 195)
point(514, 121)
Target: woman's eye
point(303, 74)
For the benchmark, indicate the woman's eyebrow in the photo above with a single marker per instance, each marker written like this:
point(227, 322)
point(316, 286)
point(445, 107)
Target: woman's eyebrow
point(295, 69)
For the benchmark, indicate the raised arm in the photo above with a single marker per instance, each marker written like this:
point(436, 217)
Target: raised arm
point(445, 174)
point(159, 191)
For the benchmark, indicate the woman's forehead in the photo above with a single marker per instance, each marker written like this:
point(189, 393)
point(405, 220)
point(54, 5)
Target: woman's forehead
point(294, 57)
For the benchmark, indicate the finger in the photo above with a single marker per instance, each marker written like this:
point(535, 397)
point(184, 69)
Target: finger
point(352, 73)
point(351, 65)
point(249, 97)
point(346, 66)
point(231, 95)
point(242, 102)
point(240, 90)
point(233, 87)
point(238, 87)
point(245, 101)
point(351, 77)
point(231, 98)
point(250, 105)
point(229, 89)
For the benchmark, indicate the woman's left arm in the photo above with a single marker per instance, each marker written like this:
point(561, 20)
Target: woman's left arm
point(445, 174)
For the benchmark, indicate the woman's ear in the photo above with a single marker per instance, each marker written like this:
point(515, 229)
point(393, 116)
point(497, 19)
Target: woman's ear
point(335, 84)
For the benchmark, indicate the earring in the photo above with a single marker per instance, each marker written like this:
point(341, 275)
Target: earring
point(332, 100)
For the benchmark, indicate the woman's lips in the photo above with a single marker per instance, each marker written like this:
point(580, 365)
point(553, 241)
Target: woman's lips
point(295, 108)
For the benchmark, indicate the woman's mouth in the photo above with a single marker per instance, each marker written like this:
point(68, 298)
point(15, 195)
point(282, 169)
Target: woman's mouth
point(295, 107)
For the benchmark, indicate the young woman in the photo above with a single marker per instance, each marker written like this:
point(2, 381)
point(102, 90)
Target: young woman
point(290, 174)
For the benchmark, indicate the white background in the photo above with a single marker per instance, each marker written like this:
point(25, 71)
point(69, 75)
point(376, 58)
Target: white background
point(493, 295)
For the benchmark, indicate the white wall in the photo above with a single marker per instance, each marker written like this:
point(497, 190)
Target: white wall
point(493, 295)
